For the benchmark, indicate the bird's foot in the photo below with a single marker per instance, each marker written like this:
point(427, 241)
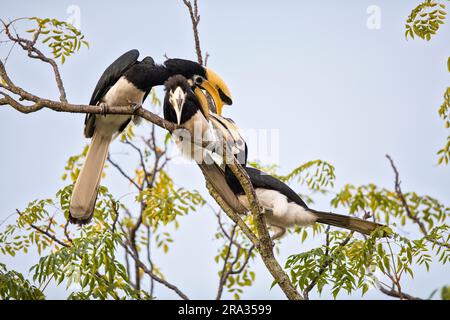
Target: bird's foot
point(136, 106)
point(104, 107)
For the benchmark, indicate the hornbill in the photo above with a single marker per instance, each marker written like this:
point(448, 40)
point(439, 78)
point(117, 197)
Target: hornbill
point(128, 81)
point(203, 78)
point(286, 208)
point(183, 107)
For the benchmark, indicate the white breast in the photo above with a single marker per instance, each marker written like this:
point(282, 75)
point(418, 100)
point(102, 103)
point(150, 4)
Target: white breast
point(123, 93)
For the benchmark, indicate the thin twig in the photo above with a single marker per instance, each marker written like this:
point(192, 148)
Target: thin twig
point(410, 215)
point(33, 52)
point(195, 19)
point(325, 264)
point(155, 277)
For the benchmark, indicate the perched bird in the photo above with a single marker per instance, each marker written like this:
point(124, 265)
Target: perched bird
point(286, 208)
point(202, 78)
point(183, 107)
point(128, 81)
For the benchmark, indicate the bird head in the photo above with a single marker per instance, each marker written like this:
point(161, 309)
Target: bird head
point(178, 91)
point(202, 78)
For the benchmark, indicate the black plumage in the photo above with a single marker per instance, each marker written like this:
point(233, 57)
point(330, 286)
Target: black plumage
point(186, 68)
point(112, 74)
point(144, 75)
point(283, 217)
point(260, 179)
point(191, 104)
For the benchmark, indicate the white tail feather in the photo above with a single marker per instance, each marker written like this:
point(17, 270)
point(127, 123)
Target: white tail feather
point(85, 190)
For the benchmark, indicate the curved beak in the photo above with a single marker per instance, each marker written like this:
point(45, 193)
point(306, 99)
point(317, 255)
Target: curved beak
point(203, 101)
point(214, 94)
point(218, 90)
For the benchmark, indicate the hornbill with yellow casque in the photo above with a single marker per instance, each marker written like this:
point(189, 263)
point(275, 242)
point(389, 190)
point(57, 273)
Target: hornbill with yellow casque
point(283, 207)
point(128, 81)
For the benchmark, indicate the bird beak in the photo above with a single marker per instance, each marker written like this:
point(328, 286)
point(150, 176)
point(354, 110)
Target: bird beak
point(218, 90)
point(177, 98)
point(203, 101)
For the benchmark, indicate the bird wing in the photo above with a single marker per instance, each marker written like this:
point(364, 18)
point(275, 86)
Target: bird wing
point(113, 73)
point(230, 131)
point(159, 75)
point(261, 179)
point(106, 81)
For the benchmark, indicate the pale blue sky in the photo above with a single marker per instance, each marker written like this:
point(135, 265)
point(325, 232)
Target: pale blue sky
point(334, 89)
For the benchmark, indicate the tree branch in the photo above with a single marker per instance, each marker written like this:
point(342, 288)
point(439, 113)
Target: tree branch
point(326, 263)
point(410, 215)
point(35, 53)
point(195, 19)
point(40, 103)
point(153, 276)
point(265, 243)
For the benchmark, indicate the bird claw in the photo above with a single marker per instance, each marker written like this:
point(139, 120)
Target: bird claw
point(104, 107)
point(136, 106)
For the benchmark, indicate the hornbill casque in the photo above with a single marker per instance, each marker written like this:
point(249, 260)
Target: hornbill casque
point(128, 81)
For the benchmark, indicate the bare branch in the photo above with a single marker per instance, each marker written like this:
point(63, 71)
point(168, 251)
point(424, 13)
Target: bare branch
point(265, 243)
point(396, 294)
point(35, 53)
point(44, 232)
point(224, 274)
point(153, 276)
point(123, 173)
point(40, 103)
point(195, 19)
point(410, 215)
point(232, 215)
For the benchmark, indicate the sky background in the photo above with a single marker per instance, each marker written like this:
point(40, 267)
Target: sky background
point(333, 88)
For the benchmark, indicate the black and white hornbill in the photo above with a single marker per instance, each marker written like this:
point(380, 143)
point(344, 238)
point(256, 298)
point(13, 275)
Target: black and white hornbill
point(183, 107)
point(190, 111)
point(203, 78)
point(128, 81)
point(286, 208)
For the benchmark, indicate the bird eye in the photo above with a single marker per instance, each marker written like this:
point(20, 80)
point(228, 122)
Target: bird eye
point(198, 80)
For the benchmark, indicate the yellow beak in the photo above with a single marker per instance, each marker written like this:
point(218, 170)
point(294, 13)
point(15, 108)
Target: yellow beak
point(214, 94)
point(218, 90)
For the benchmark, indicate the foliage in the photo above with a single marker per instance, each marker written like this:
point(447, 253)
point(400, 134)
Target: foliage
point(425, 19)
point(234, 256)
point(61, 37)
point(86, 260)
point(444, 113)
point(164, 203)
point(14, 286)
point(348, 263)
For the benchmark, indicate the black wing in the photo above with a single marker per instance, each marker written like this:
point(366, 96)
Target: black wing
point(187, 68)
point(106, 81)
point(112, 74)
point(159, 77)
point(261, 179)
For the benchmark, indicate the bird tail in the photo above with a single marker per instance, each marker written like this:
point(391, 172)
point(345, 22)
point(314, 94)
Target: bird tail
point(215, 176)
point(347, 222)
point(84, 193)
